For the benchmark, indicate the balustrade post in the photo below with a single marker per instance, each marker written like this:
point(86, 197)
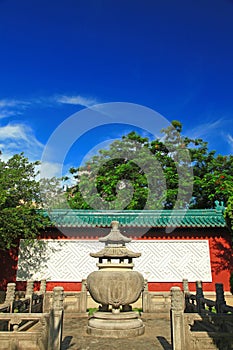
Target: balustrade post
point(42, 286)
point(83, 297)
point(146, 298)
point(220, 298)
point(186, 294)
point(42, 294)
point(177, 319)
point(29, 293)
point(10, 295)
point(185, 286)
point(199, 297)
point(56, 319)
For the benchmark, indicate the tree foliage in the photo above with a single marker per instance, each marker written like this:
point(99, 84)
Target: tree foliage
point(52, 194)
point(19, 201)
point(136, 173)
point(229, 213)
point(131, 174)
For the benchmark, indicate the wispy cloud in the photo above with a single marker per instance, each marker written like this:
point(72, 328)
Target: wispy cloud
point(6, 103)
point(12, 103)
point(12, 107)
point(229, 139)
point(217, 133)
point(205, 129)
point(15, 138)
point(7, 113)
point(76, 100)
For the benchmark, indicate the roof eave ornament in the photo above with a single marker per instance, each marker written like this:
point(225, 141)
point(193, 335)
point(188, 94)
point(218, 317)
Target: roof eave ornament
point(219, 206)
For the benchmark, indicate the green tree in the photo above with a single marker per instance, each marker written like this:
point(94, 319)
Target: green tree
point(52, 194)
point(211, 174)
point(114, 179)
point(135, 173)
point(19, 201)
point(229, 209)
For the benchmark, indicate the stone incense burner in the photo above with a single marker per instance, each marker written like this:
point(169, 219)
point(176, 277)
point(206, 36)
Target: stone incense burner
point(115, 286)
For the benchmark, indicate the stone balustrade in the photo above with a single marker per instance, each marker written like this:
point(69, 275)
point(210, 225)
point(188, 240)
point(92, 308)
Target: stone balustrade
point(198, 303)
point(74, 302)
point(193, 324)
point(45, 328)
point(155, 302)
point(31, 302)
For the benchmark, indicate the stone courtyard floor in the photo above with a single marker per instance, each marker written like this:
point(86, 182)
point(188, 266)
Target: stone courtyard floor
point(157, 336)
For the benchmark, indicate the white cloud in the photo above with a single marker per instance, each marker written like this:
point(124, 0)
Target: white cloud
point(230, 141)
point(8, 103)
point(217, 133)
point(5, 103)
point(7, 113)
point(16, 138)
point(14, 107)
point(76, 100)
point(49, 170)
point(205, 129)
point(10, 107)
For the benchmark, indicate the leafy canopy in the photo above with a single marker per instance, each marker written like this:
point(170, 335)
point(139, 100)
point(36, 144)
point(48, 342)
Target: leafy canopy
point(19, 201)
point(136, 173)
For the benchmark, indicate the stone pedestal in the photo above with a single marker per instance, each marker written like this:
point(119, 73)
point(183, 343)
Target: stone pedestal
point(115, 325)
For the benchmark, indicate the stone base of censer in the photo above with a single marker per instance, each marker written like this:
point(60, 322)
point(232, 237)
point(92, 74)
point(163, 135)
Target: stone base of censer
point(115, 325)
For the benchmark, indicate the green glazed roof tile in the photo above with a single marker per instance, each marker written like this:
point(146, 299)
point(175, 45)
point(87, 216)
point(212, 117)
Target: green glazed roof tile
point(137, 218)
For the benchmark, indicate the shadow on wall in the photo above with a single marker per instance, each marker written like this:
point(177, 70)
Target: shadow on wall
point(33, 259)
point(224, 256)
point(9, 260)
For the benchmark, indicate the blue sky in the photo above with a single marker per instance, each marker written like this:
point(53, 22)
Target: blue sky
point(58, 57)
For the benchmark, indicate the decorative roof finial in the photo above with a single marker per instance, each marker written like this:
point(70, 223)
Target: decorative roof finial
point(219, 206)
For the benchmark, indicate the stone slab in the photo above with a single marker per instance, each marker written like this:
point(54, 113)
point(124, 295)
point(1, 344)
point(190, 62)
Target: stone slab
point(120, 316)
point(157, 336)
point(116, 333)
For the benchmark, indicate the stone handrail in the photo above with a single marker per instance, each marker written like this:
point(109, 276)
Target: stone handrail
point(198, 330)
point(15, 319)
point(74, 301)
point(198, 303)
point(32, 302)
point(5, 308)
point(155, 301)
point(45, 328)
